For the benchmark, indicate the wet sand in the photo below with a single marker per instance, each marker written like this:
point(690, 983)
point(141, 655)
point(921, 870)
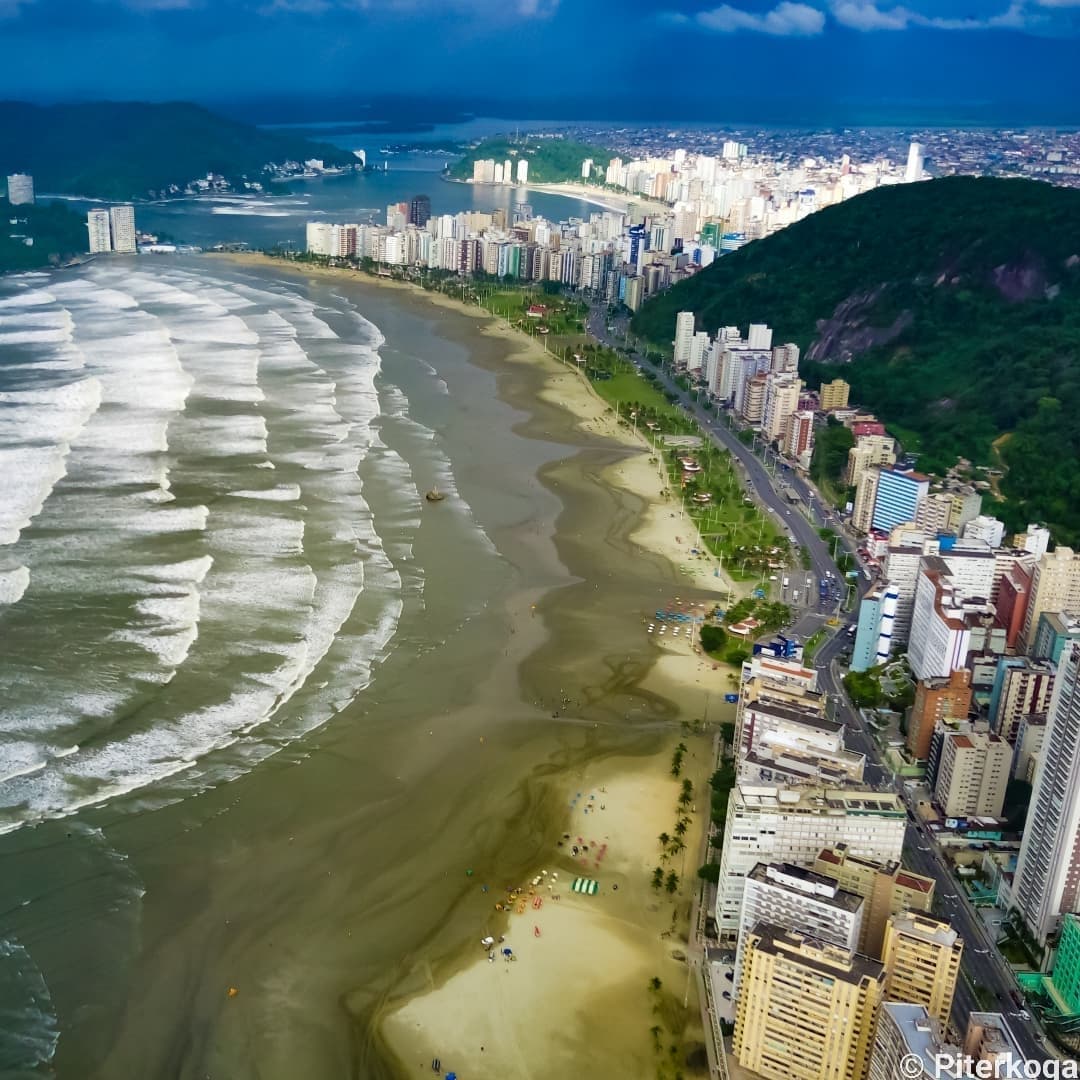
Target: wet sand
point(330, 886)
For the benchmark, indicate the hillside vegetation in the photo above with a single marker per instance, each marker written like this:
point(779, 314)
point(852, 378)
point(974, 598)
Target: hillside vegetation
point(132, 150)
point(57, 231)
point(551, 160)
point(953, 309)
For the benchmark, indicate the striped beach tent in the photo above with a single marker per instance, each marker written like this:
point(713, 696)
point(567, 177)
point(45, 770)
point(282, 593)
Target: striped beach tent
point(585, 885)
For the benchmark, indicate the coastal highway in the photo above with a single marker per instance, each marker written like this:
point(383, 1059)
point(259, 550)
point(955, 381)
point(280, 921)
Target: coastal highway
point(715, 426)
point(982, 964)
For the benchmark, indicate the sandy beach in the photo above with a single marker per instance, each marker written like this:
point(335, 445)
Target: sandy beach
point(576, 996)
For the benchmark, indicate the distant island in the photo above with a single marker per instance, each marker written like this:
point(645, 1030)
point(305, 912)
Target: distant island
point(135, 150)
point(552, 159)
point(952, 307)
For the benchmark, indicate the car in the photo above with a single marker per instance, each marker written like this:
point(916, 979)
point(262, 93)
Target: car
point(1024, 1015)
point(730, 976)
point(726, 995)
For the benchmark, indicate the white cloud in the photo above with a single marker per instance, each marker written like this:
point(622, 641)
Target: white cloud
point(866, 16)
point(785, 20)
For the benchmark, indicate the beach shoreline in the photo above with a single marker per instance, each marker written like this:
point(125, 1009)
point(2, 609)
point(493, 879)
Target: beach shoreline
point(630, 931)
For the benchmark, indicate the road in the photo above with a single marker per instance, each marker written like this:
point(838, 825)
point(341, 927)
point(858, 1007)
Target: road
point(982, 964)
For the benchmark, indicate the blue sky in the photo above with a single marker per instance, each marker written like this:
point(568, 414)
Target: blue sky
point(941, 52)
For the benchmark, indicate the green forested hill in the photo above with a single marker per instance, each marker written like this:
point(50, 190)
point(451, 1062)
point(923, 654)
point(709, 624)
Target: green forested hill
point(127, 150)
point(56, 230)
point(953, 309)
point(551, 160)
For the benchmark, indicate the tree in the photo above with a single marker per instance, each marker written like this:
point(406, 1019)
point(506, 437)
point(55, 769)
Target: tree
point(658, 877)
point(709, 872)
point(664, 839)
point(672, 882)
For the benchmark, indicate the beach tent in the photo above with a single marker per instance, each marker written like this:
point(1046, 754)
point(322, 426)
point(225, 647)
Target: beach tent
point(585, 885)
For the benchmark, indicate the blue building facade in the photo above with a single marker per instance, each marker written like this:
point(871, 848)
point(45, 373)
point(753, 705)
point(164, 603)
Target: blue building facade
point(898, 497)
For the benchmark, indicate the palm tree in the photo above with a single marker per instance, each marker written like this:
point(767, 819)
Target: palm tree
point(680, 827)
point(664, 839)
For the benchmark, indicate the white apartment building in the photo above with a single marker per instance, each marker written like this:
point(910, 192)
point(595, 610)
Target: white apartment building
point(122, 225)
point(939, 639)
point(523, 171)
point(684, 335)
point(97, 225)
point(774, 824)
point(699, 343)
point(1047, 879)
point(985, 528)
point(20, 189)
point(797, 898)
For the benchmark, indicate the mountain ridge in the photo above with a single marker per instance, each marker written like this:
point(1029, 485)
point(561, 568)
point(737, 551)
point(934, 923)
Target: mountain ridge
point(951, 306)
point(138, 150)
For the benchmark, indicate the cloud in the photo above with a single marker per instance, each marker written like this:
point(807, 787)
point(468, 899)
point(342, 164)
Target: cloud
point(866, 16)
point(785, 20)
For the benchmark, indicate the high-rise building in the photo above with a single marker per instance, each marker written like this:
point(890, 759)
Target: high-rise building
point(780, 824)
point(887, 889)
point(122, 226)
point(1055, 630)
point(795, 898)
point(1010, 605)
point(936, 699)
point(921, 955)
point(1047, 880)
point(973, 774)
point(908, 1043)
point(899, 492)
point(806, 1008)
point(1021, 686)
point(97, 224)
point(939, 639)
point(984, 527)
point(874, 631)
point(869, 450)
point(523, 171)
point(799, 437)
point(419, 211)
point(1036, 540)
point(684, 335)
point(915, 163)
point(834, 395)
point(1065, 978)
point(1055, 586)
point(781, 401)
point(20, 189)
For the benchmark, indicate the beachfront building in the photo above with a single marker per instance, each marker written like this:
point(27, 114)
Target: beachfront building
point(907, 1038)
point(797, 898)
point(97, 226)
point(887, 889)
point(806, 1008)
point(791, 825)
point(921, 955)
point(20, 189)
point(122, 227)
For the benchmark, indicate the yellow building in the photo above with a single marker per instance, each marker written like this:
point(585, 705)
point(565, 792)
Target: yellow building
point(921, 955)
point(806, 1008)
point(887, 888)
point(834, 395)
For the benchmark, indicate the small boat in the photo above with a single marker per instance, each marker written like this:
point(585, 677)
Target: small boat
point(434, 495)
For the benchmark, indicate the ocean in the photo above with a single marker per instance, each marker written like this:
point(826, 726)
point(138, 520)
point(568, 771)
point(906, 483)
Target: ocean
point(261, 704)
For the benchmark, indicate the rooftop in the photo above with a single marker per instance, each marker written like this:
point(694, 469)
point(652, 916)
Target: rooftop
point(834, 961)
point(800, 879)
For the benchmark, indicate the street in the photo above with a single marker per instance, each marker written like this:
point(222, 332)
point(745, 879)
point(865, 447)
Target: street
point(982, 965)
